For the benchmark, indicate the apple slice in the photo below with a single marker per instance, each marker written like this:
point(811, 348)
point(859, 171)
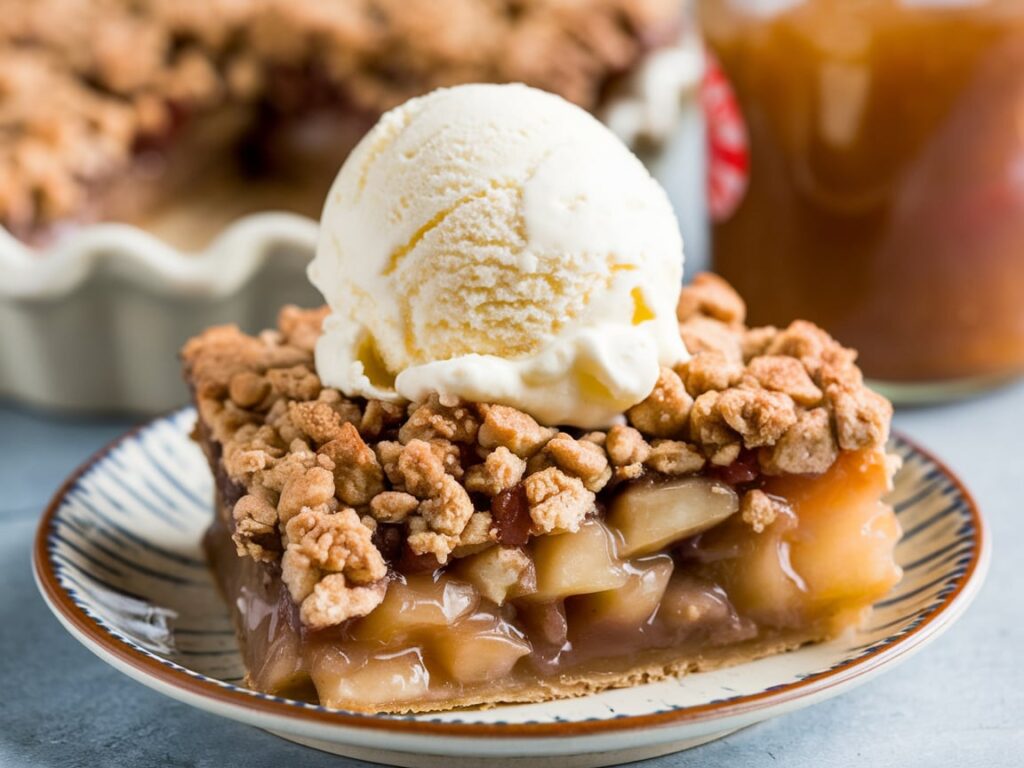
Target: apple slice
point(629, 606)
point(576, 563)
point(480, 647)
point(652, 516)
point(843, 548)
point(692, 602)
point(421, 603)
point(369, 683)
point(833, 556)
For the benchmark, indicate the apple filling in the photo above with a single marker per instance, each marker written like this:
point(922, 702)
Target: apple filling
point(671, 576)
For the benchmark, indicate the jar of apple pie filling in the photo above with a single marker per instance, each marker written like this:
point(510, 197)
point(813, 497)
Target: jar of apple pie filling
point(877, 185)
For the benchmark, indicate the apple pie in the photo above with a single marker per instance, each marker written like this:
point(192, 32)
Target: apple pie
point(407, 557)
point(146, 111)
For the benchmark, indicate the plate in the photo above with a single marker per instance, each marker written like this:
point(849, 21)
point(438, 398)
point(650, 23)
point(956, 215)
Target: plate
point(117, 558)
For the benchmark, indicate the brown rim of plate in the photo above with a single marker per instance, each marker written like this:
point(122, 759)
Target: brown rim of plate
point(202, 687)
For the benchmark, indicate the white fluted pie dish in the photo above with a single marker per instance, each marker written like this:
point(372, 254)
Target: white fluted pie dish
point(93, 321)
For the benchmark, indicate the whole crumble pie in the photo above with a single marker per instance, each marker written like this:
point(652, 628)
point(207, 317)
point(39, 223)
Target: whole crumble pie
point(85, 85)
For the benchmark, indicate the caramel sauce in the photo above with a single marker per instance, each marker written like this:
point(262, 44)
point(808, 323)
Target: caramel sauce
point(886, 188)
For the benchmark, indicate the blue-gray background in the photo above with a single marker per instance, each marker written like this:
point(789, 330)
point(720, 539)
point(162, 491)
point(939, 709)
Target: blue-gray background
point(960, 702)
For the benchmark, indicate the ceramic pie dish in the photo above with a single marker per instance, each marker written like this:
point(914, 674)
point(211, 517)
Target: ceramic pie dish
point(118, 559)
point(153, 140)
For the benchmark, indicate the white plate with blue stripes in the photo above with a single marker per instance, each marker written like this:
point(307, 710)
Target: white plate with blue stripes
point(118, 559)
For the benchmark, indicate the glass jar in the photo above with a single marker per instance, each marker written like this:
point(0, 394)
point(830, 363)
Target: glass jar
point(885, 198)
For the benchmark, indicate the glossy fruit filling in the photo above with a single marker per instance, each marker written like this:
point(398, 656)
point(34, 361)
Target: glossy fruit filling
point(671, 578)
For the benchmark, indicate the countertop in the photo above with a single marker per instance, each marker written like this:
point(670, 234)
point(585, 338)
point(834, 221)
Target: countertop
point(958, 703)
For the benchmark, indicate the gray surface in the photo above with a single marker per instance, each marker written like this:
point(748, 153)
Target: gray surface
point(958, 703)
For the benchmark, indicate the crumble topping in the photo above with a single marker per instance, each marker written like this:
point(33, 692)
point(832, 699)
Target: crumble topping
point(674, 458)
point(666, 410)
point(331, 567)
point(558, 502)
point(759, 510)
point(500, 471)
point(626, 446)
point(86, 85)
point(338, 488)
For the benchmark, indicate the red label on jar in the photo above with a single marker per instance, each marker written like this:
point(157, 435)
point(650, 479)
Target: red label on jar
point(728, 147)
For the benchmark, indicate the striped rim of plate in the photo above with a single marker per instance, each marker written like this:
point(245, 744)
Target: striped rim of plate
point(118, 559)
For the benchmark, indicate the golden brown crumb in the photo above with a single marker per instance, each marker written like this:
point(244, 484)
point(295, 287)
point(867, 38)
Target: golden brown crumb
point(334, 601)
point(421, 469)
point(378, 415)
point(787, 375)
point(702, 334)
point(331, 551)
point(449, 455)
point(434, 420)
point(449, 509)
point(708, 426)
point(557, 501)
point(393, 506)
point(758, 416)
point(501, 470)
point(247, 388)
point(476, 536)
point(805, 342)
point(759, 510)
point(625, 445)
point(301, 327)
point(509, 428)
point(255, 532)
point(710, 370)
point(754, 341)
point(862, 416)
point(711, 296)
point(674, 458)
point(316, 419)
point(388, 452)
point(426, 542)
point(628, 472)
point(665, 411)
point(808, 447)
point(312, 488)
point(295, 383)
point(358, 477)
point(582, 458)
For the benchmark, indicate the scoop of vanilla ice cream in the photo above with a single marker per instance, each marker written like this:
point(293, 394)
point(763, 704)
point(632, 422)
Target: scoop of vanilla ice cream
point(497, 243)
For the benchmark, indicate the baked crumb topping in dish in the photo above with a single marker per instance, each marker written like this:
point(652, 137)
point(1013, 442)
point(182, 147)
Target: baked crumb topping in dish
point(90, 87)
point(733, 513)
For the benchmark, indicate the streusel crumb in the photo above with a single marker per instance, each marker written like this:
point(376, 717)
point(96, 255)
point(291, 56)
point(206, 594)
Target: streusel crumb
point(501, 470)
point(625, 446)
point(329, 564)
point(508, 428)
point(393, 506)
point(443, 479)
point(87, 86)
point(557, 501)
point(585, 459)
point(759, 510)
point(665, 411)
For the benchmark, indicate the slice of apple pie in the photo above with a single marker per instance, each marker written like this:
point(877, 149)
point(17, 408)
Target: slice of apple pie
point(387, 557)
